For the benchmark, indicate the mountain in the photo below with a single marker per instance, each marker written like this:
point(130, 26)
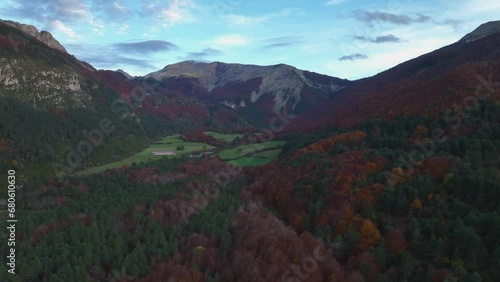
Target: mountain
point(445, 79)
point(483, 30)
point(42, 36)
point(36, 69)
point(253, 90)
point(49, 103)
point(124, 73)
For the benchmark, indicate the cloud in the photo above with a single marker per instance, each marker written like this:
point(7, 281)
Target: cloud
point(176, 11)
point(117, 61)
point(334, 2)
point(244, 20)
point(241, 20)
point(122, 29)
point(278, 42)
point(112, 9)
point(380, 39)
point(229, 40)
point(145, 47)
point(106, 56)
point(353, 57)
point(451, 22)
point(379, 16)
point(59, 26)
point(201, 56)
point(52, 13)
point(49, 10)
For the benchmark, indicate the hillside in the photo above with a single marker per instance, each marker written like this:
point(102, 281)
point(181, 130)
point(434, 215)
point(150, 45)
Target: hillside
point(427, 85)
point(272, 88)
point(49, 103)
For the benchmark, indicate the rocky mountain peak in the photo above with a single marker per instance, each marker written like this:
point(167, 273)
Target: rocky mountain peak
point(285, 83)
point(126, 74)
point(483, 30)
point(43, 36)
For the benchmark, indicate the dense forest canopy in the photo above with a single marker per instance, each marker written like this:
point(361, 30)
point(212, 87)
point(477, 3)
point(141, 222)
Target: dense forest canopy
point(391, 200)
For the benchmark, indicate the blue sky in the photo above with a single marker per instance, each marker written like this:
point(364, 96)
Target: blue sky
point(343, 38)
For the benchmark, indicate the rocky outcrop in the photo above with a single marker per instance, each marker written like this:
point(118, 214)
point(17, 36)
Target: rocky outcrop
point(283, 82)
point(43, 36)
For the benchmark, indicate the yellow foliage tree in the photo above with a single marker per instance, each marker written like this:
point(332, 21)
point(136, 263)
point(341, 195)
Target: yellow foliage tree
point(369, 232)
point(421, 131)
point(416, 204)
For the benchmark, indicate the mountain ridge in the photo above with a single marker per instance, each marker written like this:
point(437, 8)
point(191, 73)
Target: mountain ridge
point(43, 36)
point(284, 82)
point(484, 30)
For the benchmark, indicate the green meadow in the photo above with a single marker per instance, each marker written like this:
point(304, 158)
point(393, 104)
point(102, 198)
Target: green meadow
point(253, 154)
point(169, 143)
point(246, 155)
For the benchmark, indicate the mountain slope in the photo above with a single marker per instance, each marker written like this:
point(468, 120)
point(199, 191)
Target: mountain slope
point(49, 103)
point(265, 90)
point(32, 71)
point(481, 31)
point(426, 85)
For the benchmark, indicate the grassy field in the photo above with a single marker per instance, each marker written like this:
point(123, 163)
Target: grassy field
point(246, 155)
point(223, 137)
point(245, 150)
point(253, 154)
point(168, 143)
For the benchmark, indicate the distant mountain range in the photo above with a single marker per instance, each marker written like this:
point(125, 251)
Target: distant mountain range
point(36, 70)
point(252, 92)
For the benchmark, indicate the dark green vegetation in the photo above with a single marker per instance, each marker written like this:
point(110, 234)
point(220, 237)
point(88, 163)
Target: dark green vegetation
point(37, 139)
point(412, 199)
point(103, 228)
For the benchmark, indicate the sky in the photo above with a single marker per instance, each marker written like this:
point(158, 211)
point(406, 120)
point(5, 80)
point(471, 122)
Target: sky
point(343, 38)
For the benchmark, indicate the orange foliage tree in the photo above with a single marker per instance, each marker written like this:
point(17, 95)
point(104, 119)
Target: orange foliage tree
point(369, 232)
point(416, 204)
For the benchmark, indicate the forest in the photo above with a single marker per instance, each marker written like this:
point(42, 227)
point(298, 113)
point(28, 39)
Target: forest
point(408, 199)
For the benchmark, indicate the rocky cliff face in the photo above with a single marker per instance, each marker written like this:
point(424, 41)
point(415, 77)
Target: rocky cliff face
point(33, 69)
point(41, 85)
point(43, 36)
point(283, 82)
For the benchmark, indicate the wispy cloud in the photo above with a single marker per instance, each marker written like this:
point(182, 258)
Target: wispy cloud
point(114, 10)
point(379, 39)
point(122, 29)
point(380, 16)
point(451, 22)
point(229, 40)
point(145, 47)
point(202, 56)
point(53, 13)
point(59, 26)
point(353, 57)
point(107, 57)
point(334, 2)
point(237, 19)
point(175, 12)
point(278, 42)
